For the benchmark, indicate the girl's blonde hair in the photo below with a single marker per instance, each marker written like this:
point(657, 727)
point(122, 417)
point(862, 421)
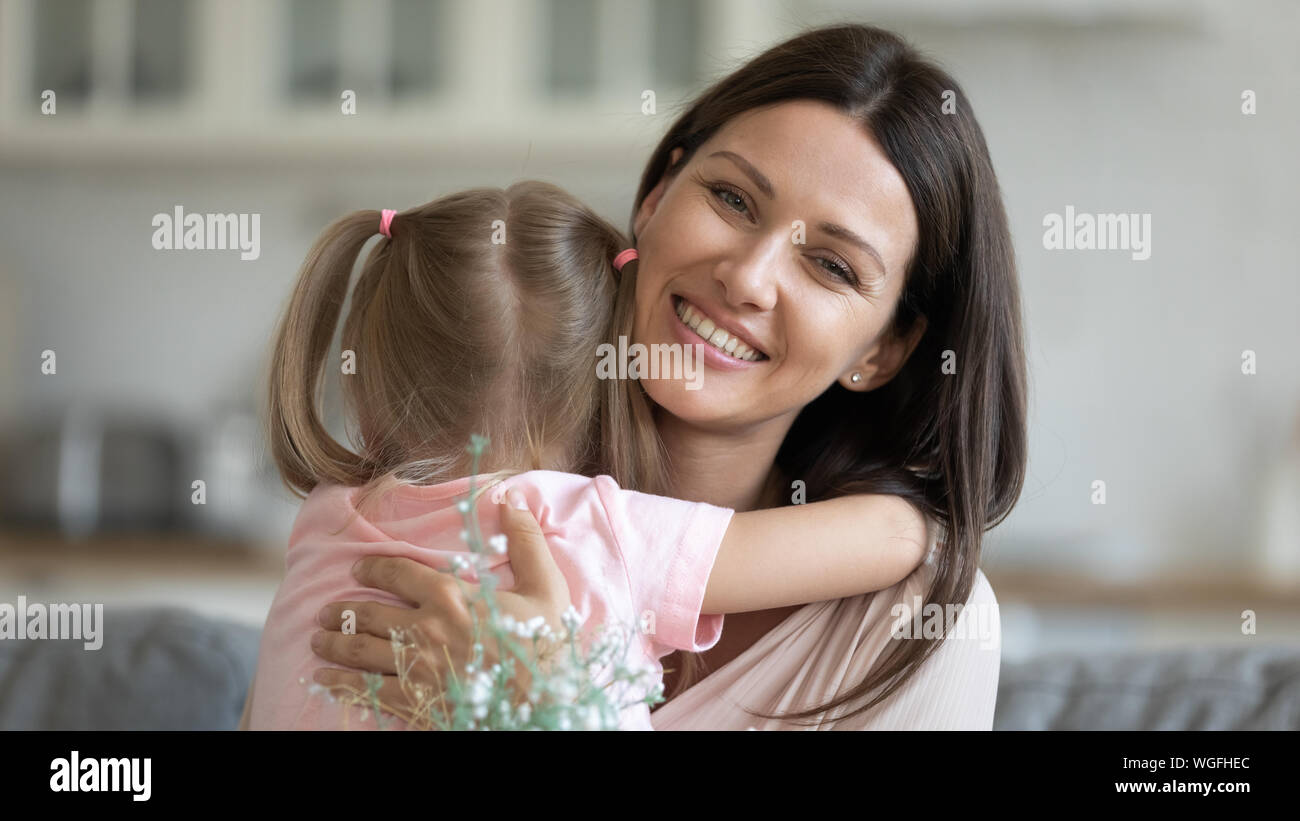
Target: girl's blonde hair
point(482, 314)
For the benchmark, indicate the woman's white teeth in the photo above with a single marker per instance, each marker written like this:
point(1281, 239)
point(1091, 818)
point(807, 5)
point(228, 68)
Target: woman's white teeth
point(714, 335)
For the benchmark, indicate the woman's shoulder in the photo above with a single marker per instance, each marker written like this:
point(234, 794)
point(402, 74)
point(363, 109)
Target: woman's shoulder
point(981, 592)
point(973, 623)
point(956, 686)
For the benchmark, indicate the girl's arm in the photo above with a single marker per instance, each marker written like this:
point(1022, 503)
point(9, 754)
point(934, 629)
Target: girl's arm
point(815, 552)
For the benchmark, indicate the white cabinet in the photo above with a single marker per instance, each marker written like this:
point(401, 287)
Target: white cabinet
point(147, 78)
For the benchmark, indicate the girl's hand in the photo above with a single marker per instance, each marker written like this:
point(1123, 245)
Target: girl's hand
point(440, 620)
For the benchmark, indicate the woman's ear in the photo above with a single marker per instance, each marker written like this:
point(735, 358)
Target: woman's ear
point(651, 202)
point(884, 361)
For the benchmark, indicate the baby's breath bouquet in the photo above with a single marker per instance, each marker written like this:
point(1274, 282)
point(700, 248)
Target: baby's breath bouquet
point(574, 682)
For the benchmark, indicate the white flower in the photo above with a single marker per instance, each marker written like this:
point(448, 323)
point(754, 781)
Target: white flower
point(565, 690)
point(535, 624)
point(572, 619)
point(458, 563)
point(479, 692)
point(497, 544)
point(525, 713)
point(463, 506)
point(591, 718)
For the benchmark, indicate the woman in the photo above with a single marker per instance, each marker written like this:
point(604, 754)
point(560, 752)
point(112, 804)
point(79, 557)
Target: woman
point(833, 203)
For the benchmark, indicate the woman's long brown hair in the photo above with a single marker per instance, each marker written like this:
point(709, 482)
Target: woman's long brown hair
point(952, 444)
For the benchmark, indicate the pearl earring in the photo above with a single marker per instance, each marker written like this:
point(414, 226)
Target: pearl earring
point(857, 377)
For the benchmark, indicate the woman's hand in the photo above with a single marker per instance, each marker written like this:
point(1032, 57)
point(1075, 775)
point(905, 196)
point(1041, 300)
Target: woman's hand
point(440, 620)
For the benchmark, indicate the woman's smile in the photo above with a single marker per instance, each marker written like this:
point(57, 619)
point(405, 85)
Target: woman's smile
point(728, 345)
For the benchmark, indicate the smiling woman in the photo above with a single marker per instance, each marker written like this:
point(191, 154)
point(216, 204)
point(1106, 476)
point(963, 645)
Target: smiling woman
point(818, 208)
point(717, 237)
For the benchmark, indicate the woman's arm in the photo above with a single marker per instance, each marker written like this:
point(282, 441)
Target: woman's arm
point(815, 552)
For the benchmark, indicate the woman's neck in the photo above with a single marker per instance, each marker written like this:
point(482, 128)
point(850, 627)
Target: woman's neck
point(729, 469)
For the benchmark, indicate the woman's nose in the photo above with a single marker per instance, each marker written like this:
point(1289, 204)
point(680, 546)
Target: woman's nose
point(751, 271)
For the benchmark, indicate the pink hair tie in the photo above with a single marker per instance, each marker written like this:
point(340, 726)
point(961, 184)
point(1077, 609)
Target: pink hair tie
point(386, 222)
point(623, 258)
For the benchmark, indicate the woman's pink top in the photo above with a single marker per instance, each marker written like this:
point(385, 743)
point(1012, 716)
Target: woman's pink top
point(825, 648)
point(629, 558)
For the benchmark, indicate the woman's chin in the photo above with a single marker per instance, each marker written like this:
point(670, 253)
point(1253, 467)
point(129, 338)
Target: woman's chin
point(692, 402)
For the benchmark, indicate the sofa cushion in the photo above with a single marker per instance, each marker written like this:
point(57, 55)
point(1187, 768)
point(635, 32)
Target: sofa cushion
point(158, 669)
point(1250, 688)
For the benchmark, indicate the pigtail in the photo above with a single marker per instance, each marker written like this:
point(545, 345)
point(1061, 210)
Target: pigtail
point(303, 450)
point(632, 451)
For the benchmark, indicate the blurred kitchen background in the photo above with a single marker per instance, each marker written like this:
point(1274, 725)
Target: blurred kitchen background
point(233, 106)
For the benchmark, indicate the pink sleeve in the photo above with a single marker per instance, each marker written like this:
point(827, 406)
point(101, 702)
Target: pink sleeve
point(668, 547)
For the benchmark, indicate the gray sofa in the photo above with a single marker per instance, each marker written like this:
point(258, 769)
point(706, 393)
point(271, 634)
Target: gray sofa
point(158, 669)
point(171, 669)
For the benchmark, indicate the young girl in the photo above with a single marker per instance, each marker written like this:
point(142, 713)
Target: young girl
point(482, 313)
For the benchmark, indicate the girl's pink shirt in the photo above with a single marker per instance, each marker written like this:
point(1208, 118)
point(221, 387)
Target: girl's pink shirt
point(631, 559)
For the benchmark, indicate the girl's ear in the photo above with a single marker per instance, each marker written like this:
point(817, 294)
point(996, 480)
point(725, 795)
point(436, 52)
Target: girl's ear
point(651, 202)
point(884, 361)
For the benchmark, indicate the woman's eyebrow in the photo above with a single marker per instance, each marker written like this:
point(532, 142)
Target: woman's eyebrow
point(763, 183)
point(850, 237)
